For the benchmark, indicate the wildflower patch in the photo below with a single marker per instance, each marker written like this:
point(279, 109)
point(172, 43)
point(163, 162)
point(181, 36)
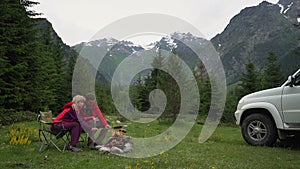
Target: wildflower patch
point(21, 134)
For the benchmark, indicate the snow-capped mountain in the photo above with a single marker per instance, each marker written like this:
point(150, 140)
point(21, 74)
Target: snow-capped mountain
point(111, 43)
point(101, 42)
point(116, 51)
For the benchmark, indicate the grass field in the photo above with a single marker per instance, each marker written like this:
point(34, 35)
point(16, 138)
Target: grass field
point(225, 149)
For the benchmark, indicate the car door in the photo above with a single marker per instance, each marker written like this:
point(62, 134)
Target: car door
point(291, 103)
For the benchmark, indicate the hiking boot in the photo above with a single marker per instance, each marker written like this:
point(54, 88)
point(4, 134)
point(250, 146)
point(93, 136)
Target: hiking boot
point(75, 149)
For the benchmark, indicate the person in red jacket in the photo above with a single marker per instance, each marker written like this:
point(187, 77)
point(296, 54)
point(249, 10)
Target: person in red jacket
point(93, 115)
point(68, 119)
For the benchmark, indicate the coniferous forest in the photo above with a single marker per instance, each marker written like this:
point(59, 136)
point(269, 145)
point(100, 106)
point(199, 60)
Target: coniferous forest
point(35, 69)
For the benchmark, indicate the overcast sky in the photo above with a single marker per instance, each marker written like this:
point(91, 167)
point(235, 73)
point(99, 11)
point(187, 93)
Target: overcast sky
point(77, 21)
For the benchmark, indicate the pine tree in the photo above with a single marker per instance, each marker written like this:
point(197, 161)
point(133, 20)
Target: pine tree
point(204, 87)
point(139, 94)
point(250, 80)
point(231, 102)
point(167, 83)
point(44, 94)
point(65, 68)
point(158, 62)
point(205, 95)
point(104, 98)
point(143, 89)
point(17, 41)
point(273, 75)
point(54, 71)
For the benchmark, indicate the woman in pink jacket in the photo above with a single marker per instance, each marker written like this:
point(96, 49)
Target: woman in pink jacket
point(69, 119)
point(93, 115)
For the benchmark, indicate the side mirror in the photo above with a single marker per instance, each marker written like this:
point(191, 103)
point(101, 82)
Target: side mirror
point(291, 81)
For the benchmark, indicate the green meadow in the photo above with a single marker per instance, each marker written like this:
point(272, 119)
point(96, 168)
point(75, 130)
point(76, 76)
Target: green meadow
point(224, 149)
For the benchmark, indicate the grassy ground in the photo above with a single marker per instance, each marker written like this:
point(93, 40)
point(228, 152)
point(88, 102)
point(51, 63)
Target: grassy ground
point(225, 149)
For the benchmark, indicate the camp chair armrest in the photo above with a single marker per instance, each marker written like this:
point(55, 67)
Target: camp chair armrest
point(51, 122)
point(46, 122)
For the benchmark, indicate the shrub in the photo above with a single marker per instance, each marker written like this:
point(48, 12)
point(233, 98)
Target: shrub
point(10, 116)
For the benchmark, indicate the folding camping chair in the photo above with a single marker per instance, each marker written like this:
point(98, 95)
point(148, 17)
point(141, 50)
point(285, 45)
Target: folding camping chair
point(57, 138)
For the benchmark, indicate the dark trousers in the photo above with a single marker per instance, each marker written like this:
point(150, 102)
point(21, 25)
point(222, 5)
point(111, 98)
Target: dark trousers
point(75, 130)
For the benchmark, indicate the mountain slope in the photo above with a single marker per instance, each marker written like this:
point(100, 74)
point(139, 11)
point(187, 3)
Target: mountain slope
point(114, 52)
point(254, 32)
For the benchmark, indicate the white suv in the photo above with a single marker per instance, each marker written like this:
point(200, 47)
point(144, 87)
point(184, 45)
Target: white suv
point(267, 115)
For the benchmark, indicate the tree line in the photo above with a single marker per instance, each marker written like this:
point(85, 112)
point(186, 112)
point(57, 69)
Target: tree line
point(251, 80)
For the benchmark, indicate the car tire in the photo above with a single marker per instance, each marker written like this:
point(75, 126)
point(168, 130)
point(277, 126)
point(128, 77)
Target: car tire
point(259, 130)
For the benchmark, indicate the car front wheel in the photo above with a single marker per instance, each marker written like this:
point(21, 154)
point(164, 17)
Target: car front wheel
point(259, 130)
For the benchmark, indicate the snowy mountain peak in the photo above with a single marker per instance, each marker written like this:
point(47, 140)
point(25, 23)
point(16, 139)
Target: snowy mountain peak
point(130, 44)
point(182, 36)
point(101, 42)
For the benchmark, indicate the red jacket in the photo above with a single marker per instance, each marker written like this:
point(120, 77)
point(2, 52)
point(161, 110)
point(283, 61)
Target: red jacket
point(69, 115)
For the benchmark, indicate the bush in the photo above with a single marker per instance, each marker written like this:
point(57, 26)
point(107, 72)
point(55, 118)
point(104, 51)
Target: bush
point(10, 116)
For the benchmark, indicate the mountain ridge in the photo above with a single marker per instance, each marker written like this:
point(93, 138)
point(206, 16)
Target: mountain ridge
point(250, 35)
point(114, 53)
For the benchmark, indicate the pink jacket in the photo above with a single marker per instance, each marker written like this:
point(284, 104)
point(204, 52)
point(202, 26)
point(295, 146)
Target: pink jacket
point(96, 112)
